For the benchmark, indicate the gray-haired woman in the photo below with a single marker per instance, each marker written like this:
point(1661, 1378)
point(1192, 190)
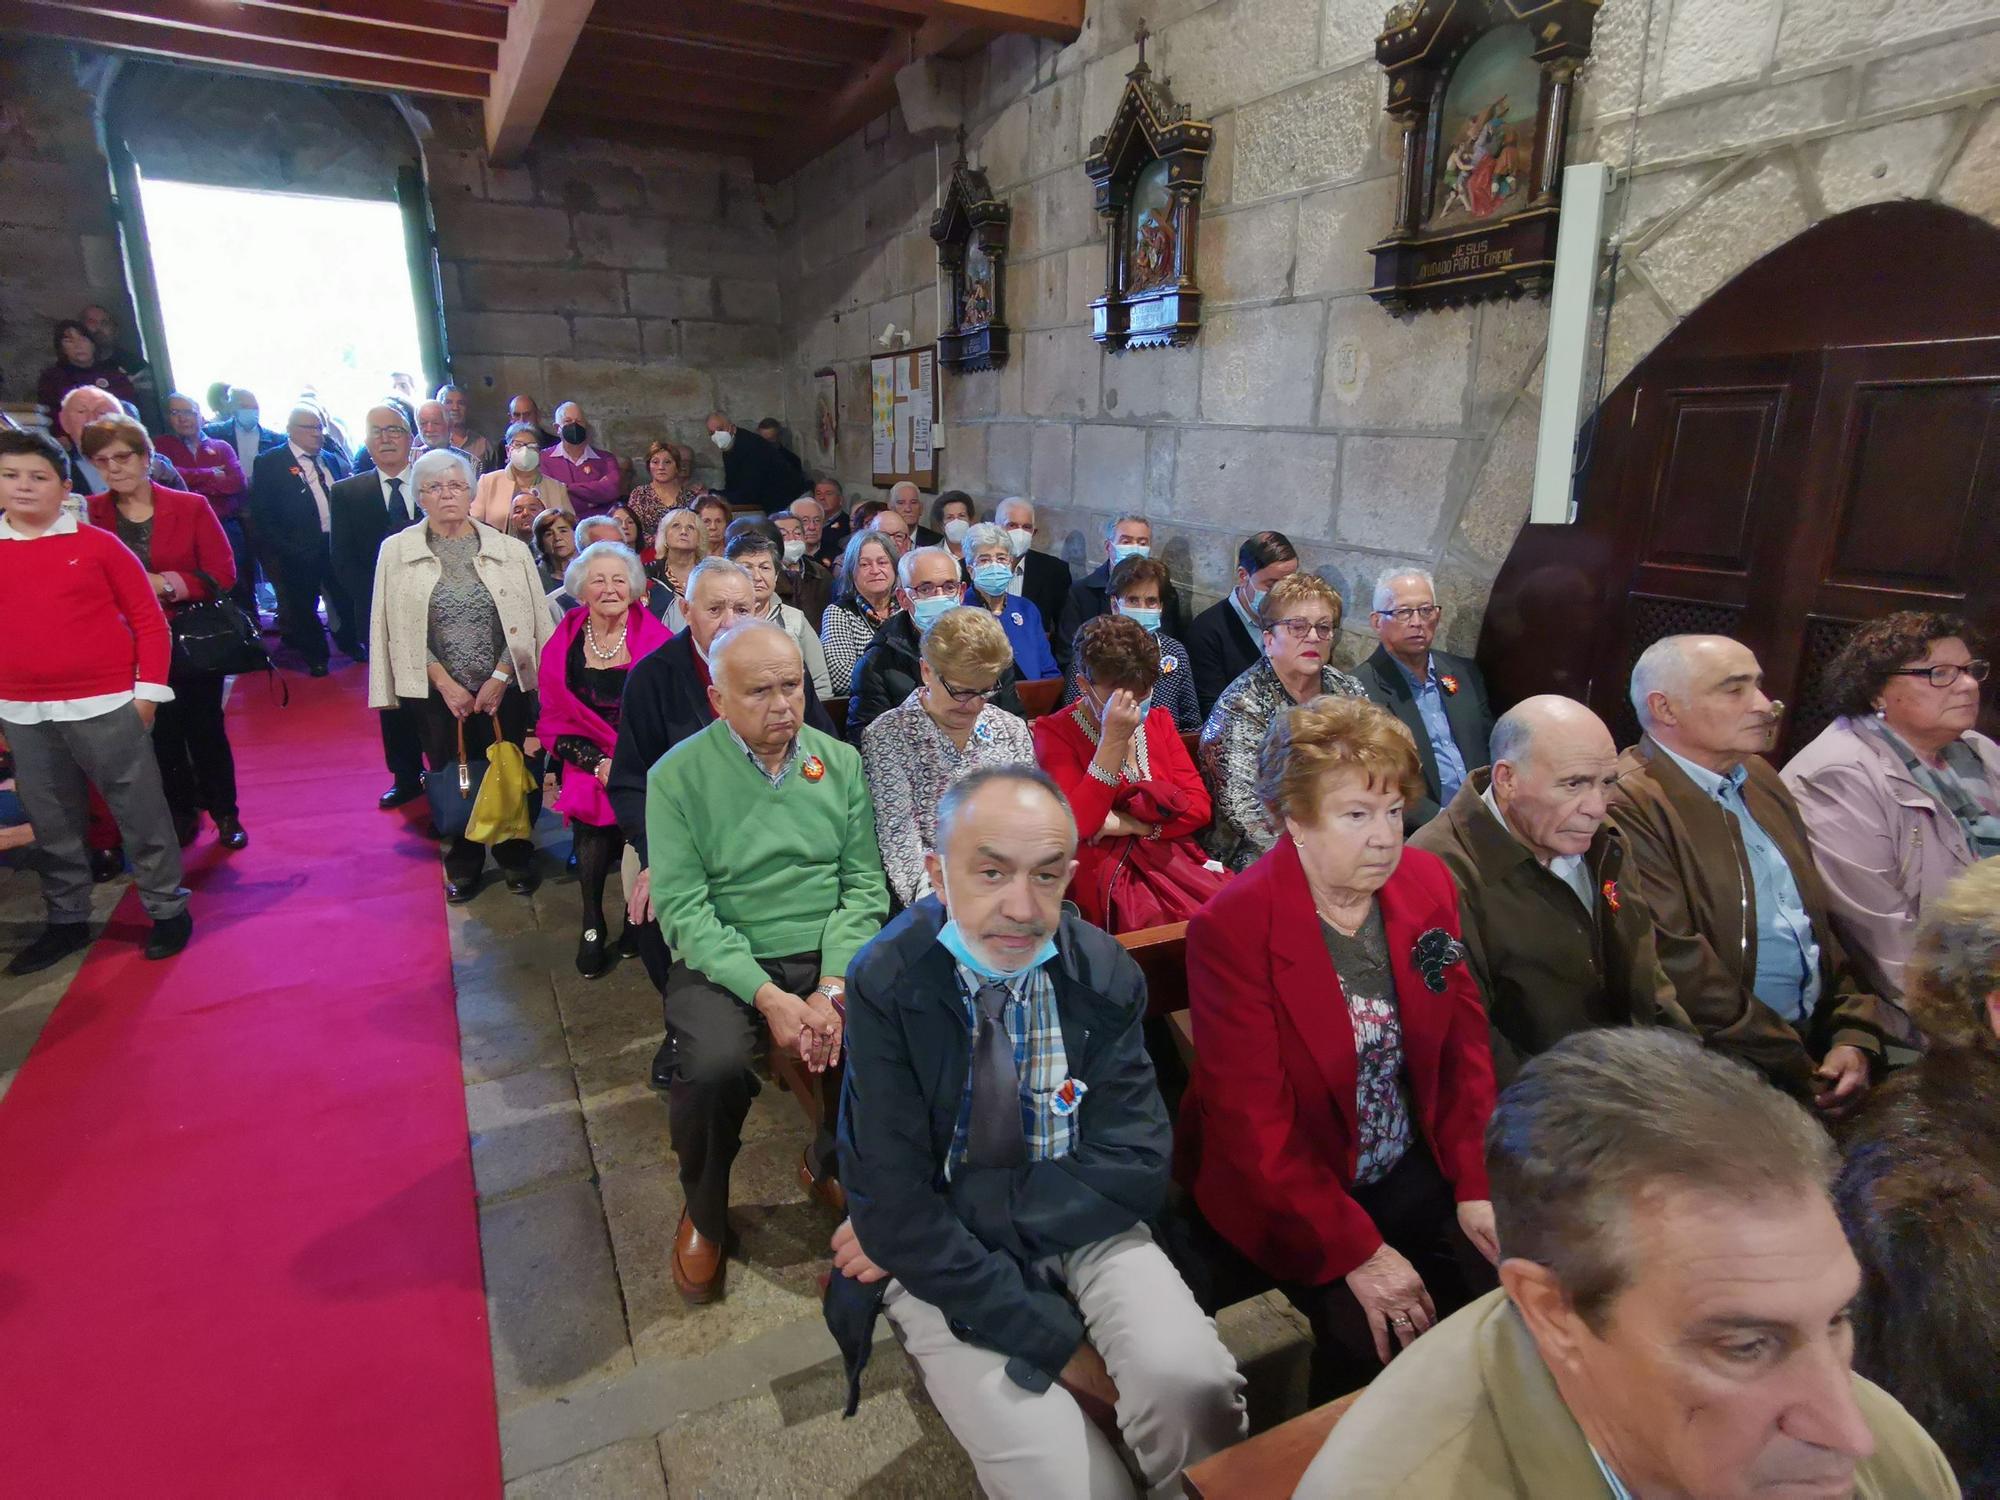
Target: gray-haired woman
point(457, 634)
point(990, 563)
point(519, 483)
point(864, 597)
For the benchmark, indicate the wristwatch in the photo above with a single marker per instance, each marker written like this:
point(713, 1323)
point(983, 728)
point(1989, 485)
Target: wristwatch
point(837, 993)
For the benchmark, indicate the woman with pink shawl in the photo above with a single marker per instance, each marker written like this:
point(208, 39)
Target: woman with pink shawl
point(582, 683)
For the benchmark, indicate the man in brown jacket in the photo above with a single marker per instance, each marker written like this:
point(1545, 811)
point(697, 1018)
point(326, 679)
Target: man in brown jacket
point(1559, 941)
point(1719, 855)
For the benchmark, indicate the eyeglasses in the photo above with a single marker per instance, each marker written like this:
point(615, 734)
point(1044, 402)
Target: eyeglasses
point(375, 434)
point(111, 457)
point(933, 590)
point(1298, 630)
point(446, 487)
point(967, 695)
point(1409, 612)
point(1945, 673)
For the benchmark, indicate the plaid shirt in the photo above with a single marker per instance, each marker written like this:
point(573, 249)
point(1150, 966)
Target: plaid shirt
point(791, 758)
point(1039, 1058)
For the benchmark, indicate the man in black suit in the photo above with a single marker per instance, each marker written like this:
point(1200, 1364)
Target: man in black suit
point(665, 702)
point(1125, 536)
point(755, 471)
point(1440, 698)
point(907, 501)
point(1040, 578)
point(1226, 640)
point(291, 501)
point(367, 508)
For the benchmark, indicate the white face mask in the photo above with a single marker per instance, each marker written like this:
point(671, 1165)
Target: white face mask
point(527, 458)
point(955, 530)
point(1020, 541)
point(795, 549)
point(725, 439)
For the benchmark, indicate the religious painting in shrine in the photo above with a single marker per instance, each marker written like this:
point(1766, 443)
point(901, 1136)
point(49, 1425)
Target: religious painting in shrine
point(1488, 133)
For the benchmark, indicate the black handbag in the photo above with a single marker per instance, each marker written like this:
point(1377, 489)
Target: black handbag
point(454, 786)
point(214, 637)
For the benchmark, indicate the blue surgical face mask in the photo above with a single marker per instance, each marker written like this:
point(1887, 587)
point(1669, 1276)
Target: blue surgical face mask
point(246, 417)
point(1148, 619)
point(1122, 550)
point(1256, 605)
point(992, 578)
point(927, 612)
point(956, 945)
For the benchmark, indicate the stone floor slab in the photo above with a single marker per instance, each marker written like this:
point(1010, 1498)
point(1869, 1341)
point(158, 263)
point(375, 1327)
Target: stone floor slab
point(552, 1293)
point(603, 1017)
point(624, 1114)
point(625, 1471)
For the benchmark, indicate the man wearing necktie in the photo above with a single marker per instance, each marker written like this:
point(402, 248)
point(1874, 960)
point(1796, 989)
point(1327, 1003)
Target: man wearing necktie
point(291, 501)
point(1003, 1145)
point(368, 508)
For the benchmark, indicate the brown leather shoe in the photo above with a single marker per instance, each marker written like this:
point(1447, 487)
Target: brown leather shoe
point(698, 1264)
point(825, 1191)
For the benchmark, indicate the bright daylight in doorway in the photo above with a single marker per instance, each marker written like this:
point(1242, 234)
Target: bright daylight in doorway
point(278, 291)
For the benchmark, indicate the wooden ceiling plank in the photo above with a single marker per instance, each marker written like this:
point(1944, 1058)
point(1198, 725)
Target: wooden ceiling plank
point(1060, 19)
point(322, 32)
point(646, 134)
point(465, 18)
point(229, 52)
point(693, 96)
point(666, 113)
point(540, 37)
point(669, 62)
point(745, 28)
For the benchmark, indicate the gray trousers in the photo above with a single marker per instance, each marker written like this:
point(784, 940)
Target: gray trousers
point(55, 765)
point(1180, 1397)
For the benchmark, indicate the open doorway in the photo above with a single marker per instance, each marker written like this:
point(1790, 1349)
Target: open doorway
point(283, 293)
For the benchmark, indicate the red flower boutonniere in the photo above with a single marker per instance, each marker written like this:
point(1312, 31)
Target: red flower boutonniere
point(812, 770)
point(1611, 896)
point(1449, 683)
point(295, 472)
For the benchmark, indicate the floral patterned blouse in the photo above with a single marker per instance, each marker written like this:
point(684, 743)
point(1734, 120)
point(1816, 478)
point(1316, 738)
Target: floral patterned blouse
point(910, 762)
point(649, 508)
point(1228, 757)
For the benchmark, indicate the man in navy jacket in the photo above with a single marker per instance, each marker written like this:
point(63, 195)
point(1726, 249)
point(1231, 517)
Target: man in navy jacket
point(1003, 1145)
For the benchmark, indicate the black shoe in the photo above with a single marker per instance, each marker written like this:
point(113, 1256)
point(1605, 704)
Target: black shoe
point(398, 794)
point(170, 935)
point(523, 882)
point(627, 945)
point(591, 959)
point(317, 669)
point(458, 892)
point(106, 864)
point(229, 832)
point(57, 942)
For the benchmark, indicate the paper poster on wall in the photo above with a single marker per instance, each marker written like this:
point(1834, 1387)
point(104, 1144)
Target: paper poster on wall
point(904, 411)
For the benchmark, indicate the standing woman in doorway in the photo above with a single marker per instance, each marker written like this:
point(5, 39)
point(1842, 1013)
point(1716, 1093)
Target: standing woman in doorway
point(521, 475)
point(174, 533)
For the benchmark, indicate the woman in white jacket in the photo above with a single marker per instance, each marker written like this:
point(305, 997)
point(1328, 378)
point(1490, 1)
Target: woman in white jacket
point(457, 632)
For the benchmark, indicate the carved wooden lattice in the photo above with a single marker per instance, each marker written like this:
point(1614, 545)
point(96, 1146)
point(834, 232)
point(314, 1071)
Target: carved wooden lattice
point(1654, 618)
point(1825, 638)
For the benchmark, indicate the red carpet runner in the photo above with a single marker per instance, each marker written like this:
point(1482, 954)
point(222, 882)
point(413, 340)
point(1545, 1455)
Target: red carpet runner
point(238, 1248)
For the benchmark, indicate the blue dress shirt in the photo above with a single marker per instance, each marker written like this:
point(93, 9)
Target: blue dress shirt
point(1033, 660)
point(1787, 977)
point(1429, 693)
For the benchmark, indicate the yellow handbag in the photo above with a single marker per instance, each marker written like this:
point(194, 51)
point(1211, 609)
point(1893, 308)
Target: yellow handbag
point(500, 810)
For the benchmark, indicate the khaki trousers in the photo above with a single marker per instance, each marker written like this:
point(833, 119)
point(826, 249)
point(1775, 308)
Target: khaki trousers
point(1180, 1397)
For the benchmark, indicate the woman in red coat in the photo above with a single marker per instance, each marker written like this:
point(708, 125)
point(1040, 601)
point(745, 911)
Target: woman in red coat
point(175, 534)
point(1333, 1130)
point(1137, 798)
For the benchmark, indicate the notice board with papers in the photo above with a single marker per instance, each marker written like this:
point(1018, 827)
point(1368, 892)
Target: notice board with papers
point(903, 417)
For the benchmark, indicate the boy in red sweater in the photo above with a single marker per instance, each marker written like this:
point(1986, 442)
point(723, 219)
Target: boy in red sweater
point(83, 671)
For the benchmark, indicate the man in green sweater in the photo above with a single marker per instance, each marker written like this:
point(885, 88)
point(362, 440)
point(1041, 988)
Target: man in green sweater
point(766, 880)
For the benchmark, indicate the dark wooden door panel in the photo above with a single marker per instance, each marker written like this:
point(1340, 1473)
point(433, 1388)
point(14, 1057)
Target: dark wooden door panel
point(1716, 466)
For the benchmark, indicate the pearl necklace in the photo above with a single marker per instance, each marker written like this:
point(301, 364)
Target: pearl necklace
point(590, 639)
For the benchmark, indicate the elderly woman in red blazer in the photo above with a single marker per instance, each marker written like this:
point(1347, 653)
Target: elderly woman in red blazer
point(176, 535)
point(1136, 795)
point(1342, 1079)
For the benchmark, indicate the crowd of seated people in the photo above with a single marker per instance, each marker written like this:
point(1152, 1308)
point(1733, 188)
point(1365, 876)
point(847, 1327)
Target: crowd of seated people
point(1510, 1057)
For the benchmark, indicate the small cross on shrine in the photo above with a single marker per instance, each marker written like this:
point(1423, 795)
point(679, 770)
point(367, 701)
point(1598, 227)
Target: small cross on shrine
point(1140, 37)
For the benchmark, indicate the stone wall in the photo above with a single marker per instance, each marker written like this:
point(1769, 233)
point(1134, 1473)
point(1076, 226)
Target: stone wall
point(1372, 442)
point(58, 242)
point(641, 282)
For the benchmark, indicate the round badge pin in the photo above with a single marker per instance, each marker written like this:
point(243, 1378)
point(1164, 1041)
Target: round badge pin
point(1168, 663)
point(1016, 618)
point(813, 769)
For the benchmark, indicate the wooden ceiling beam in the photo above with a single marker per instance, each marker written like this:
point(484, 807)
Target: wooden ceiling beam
point(34, 18)
point(687, 97)
point(669, 63)
point(580, 99)
point(867, 12)
point(478, 19)
point(677, 135)
point(540, 37)
point(322, 31)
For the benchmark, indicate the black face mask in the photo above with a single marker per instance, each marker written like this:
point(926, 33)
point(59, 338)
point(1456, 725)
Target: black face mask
point(573, 434)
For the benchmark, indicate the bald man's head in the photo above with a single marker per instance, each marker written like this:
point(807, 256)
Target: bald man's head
point(759, 684)
point(83, 406)
point(1554, 764)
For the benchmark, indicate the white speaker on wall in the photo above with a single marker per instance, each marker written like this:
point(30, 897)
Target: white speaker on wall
point(1579, 255)
point(929, 92)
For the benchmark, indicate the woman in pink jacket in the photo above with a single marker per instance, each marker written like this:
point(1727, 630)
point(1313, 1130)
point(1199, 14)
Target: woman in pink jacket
point(1900, 792)
point(582, 682)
